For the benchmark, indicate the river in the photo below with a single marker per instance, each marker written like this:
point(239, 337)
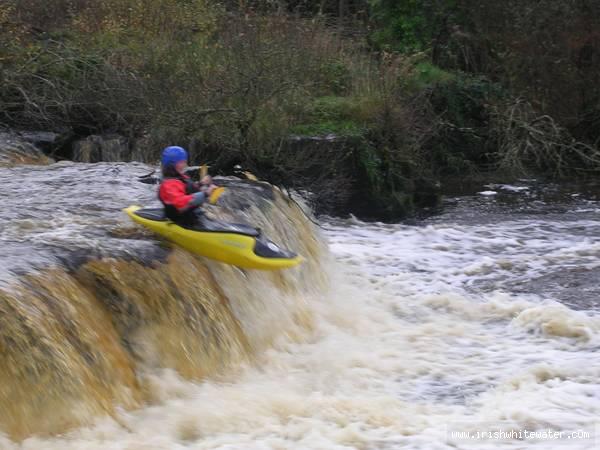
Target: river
point(482, 318)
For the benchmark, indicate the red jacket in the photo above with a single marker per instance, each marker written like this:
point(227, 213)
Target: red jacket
point(175, 192)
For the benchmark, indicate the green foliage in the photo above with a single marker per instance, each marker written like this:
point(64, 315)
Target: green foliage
point(462, 105)
point(463, 100)
point(341, 116)
point(426, 74)
point(234, 86)
point(357, 110)
point(336, 77)
point(401, 25)
point(529, 47)
point(408, 26)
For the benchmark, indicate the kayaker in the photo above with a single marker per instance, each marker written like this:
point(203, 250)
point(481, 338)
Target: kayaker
point(180, 196)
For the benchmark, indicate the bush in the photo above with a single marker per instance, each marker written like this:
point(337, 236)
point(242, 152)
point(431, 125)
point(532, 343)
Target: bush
point(232, 88)
point(530, 142)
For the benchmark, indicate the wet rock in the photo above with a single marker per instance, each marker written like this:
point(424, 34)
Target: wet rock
point(144, 150)
point(44, 140)
point(97, 148)
point(242, 194)
point(14, 150)
point(349, 174)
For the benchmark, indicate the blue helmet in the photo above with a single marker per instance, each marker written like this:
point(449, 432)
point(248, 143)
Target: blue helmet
point(172, 155)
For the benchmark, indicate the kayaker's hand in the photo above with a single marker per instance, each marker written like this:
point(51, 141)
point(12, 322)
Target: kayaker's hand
point(210, 189)
point(206, 180)
point(198, 199)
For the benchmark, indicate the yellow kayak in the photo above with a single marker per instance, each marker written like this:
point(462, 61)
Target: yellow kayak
point(236, 244)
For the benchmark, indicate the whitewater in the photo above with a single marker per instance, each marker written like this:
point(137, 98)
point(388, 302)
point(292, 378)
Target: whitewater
point(477, 327)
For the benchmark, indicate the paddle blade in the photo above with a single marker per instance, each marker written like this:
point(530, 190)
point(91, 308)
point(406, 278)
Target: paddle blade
point(203, 171)
point(215, 195)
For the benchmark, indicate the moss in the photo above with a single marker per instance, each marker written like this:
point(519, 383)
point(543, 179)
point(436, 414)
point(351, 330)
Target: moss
point(336, 77)
point(342, 116)
point(426, 74)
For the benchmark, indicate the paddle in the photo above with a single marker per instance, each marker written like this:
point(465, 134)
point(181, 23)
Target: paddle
point(214, 196)
point(217, 192)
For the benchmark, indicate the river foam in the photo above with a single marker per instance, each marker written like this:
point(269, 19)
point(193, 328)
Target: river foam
point(426, 333)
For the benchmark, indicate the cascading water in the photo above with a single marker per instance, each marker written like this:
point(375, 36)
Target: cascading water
point(481, 319)
point(101, 305)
